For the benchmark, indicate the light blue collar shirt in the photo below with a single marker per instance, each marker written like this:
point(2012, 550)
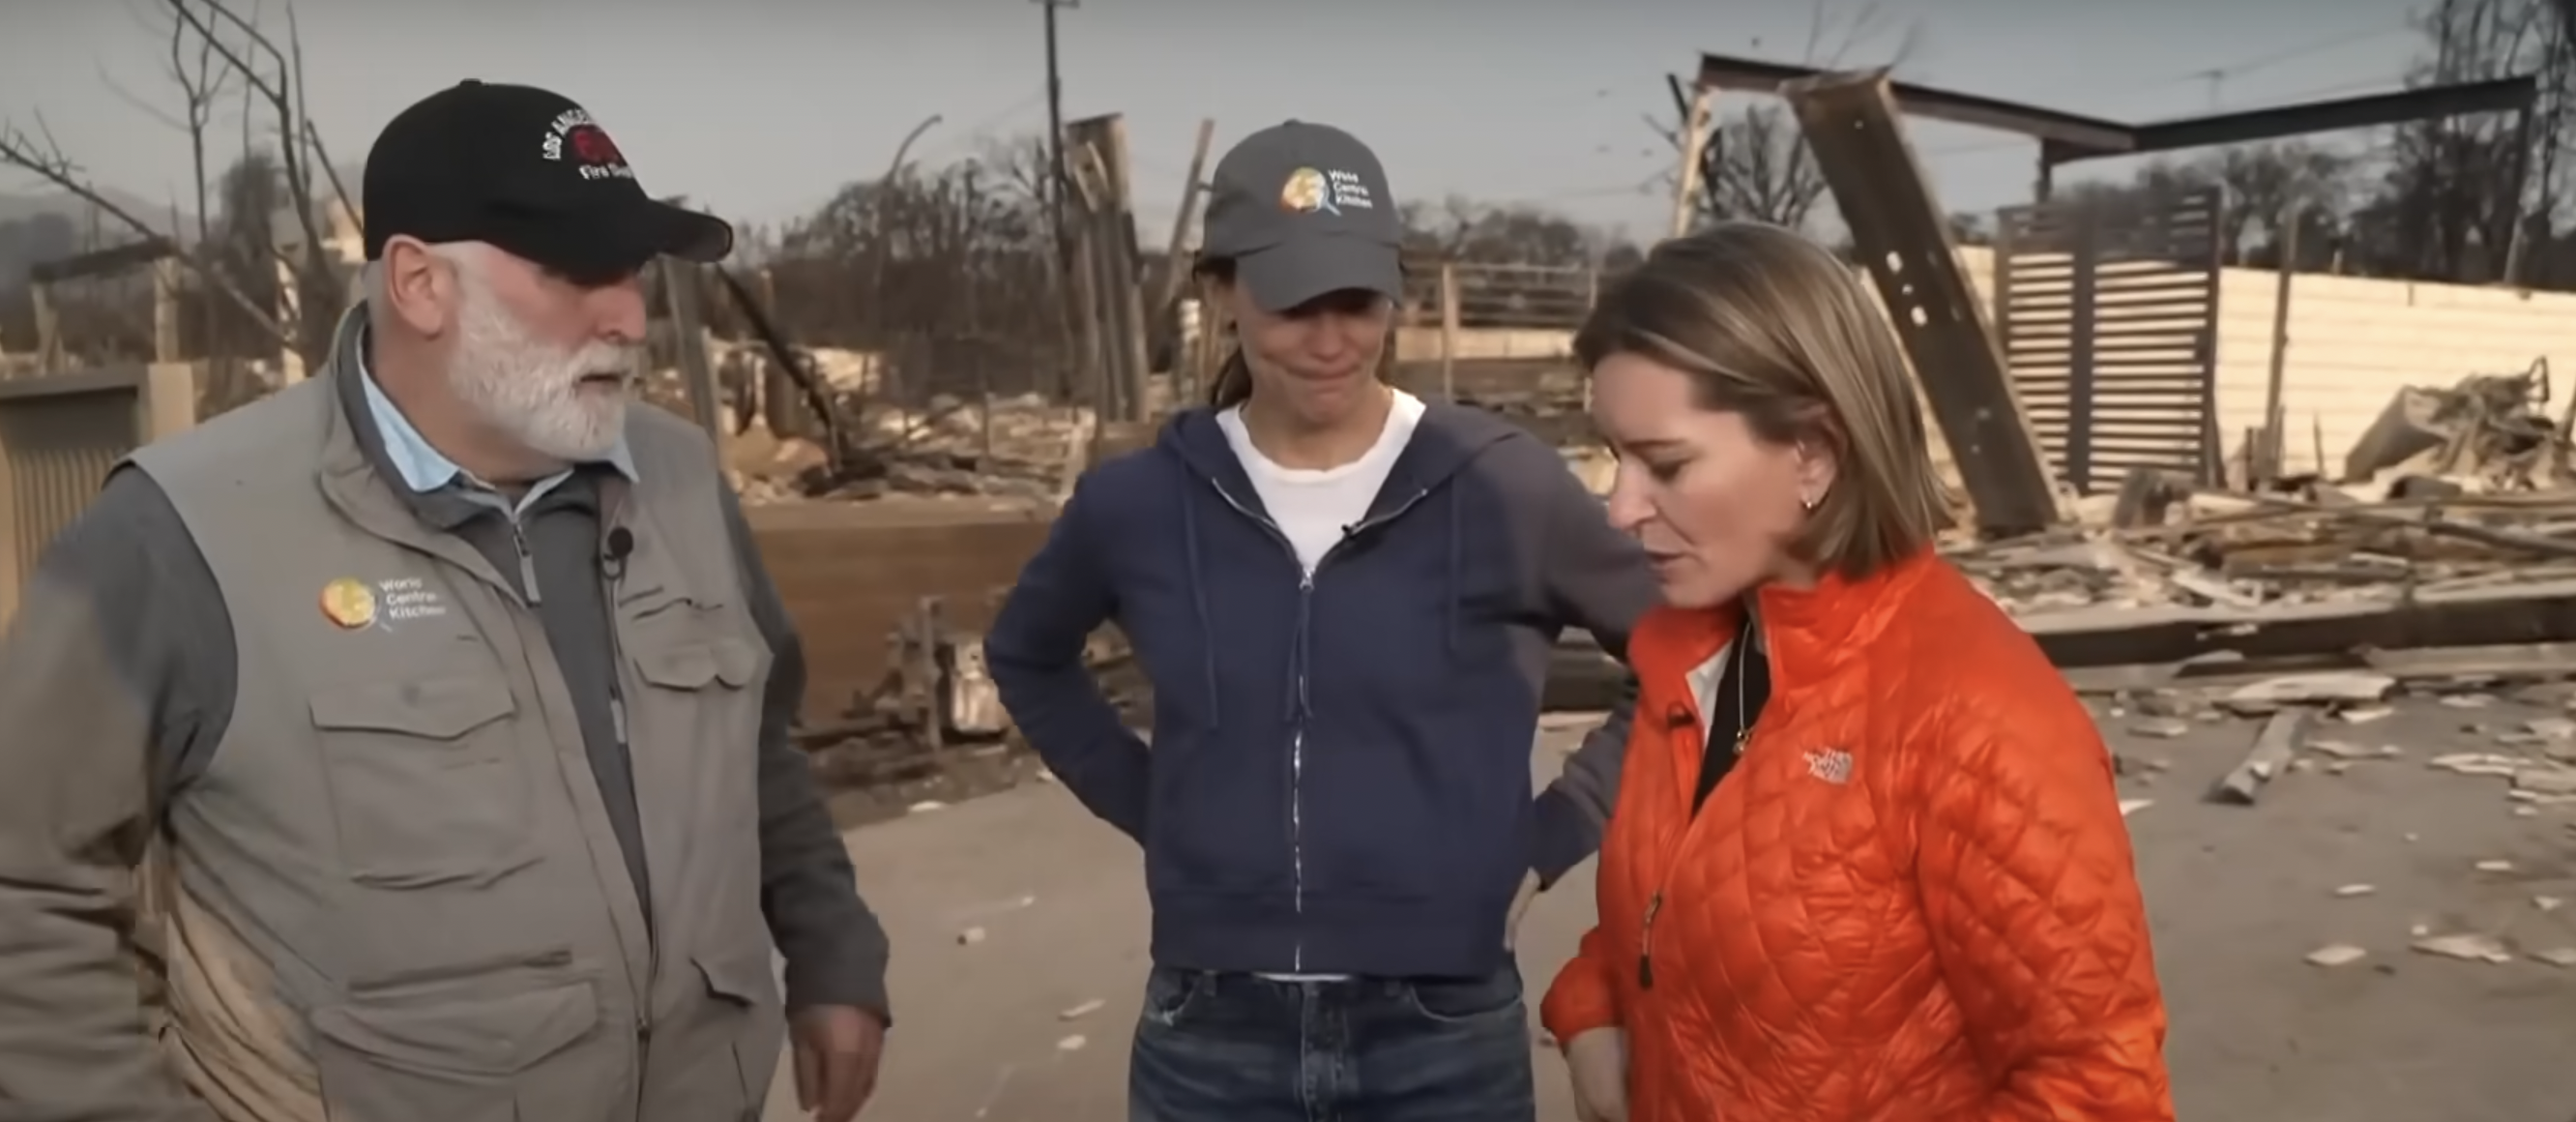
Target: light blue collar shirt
point(424, 469)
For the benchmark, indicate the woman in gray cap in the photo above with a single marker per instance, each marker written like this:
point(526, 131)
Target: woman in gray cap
point(1345, 597)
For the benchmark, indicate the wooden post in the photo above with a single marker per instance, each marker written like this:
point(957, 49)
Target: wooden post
point(2267, 462)
point(1177, 249)
point(1591, 300)
point(1096, 147)
point(290, 322)
point(49, 328)
point(167, 402)
point(689, 340)
point(1449, 330)
point(165, 310)
point(1176, 268)
point(1126, 281)
point(1694, 145)
point(1094, 380)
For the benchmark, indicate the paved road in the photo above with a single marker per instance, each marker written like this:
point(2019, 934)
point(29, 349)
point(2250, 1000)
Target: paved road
point(2239, 895)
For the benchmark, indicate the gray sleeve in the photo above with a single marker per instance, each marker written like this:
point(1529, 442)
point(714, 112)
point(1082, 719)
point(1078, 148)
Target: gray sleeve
point(1595, 578)
point(836, 950)
point(116, 683)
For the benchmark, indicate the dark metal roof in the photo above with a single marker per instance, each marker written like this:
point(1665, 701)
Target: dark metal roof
point(2496, 95)
point(1723, 72)
point(2067, 137)
point(101, 262)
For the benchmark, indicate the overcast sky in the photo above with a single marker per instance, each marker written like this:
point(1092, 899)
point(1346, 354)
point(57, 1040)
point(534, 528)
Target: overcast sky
point(761, 108)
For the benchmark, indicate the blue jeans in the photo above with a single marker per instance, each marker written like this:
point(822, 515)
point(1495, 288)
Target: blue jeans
point(1239, 1048)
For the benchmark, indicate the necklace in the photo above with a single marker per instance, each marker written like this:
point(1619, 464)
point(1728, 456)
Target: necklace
point(1743, 669)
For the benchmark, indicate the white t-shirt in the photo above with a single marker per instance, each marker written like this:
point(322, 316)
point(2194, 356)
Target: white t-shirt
point(1315, 507)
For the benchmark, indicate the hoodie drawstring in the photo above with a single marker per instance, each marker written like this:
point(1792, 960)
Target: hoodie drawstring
point(1198, 602)
point(1457, 565)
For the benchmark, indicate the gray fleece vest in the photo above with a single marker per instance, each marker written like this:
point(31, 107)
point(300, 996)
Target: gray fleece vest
point(395, 895)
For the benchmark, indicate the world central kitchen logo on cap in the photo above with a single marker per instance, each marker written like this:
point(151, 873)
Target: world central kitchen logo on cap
point(1306, 193)
point(1309, 191)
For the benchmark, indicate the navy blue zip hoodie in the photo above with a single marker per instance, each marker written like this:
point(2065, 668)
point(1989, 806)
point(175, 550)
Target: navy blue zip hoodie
point(1340, 775)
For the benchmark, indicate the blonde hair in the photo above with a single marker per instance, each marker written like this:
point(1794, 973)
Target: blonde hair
point(1772, 326)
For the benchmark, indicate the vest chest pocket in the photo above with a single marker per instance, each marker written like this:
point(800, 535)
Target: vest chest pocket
point(701, 664)
point(427, 785)
point(703, 677)
point(695, 726)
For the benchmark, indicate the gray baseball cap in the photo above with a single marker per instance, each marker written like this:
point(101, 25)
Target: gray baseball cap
point(1303, 210)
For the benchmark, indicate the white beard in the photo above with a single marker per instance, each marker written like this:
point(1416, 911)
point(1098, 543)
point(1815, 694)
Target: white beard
point(532, 390)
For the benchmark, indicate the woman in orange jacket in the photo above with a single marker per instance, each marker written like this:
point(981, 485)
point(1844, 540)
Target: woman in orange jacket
point(1867, 861)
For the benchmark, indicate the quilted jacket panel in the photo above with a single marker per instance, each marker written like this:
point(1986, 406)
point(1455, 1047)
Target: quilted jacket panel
point(1912, 899)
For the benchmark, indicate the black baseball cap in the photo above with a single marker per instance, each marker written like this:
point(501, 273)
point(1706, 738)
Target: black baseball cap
point(1303, 210)
point(526, 170)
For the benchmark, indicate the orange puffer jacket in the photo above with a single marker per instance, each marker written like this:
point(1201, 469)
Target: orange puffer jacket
point(1911, 901)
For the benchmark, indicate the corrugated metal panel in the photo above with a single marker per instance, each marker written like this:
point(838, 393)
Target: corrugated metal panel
point(54, 453)
point(2108, 312)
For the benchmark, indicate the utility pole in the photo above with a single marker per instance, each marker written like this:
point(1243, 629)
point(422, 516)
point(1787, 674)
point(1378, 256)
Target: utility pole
point(1055, 123)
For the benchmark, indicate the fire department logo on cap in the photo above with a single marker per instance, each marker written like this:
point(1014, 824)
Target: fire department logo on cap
point(348, 604)
point(594, 156)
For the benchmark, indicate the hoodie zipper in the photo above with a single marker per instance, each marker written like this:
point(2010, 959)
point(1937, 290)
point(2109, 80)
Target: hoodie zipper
point(1298, 654)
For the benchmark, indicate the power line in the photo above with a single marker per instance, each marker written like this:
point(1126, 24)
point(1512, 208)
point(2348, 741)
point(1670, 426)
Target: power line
point(983, 128)
point(2221, 73)
point(2247, 64)
point(2292, 54)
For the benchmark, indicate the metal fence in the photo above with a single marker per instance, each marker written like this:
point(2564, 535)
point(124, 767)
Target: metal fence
point(945, 336)
point(2108, 316)
point(1490, 296)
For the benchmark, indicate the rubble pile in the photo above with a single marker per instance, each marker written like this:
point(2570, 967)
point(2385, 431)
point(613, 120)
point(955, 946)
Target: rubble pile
point(1018, 447)
point(2465, 724)
point(934, 730)
point(2419, 611)
point(2449, 490)
point(2489, 432)
point(1011, 448)
point(2319, 543)
point(2444, 555)
point(2324, 722)
point(1000, 446)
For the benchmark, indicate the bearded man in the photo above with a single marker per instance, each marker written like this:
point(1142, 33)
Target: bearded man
point(450, 700)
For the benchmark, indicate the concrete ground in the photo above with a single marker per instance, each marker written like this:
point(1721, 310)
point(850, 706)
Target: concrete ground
point(2239, 896)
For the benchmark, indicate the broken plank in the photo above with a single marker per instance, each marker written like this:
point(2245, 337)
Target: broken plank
point(2274, 747)
point(2126, 635)
point(2521, 631)
point(2511, 660)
